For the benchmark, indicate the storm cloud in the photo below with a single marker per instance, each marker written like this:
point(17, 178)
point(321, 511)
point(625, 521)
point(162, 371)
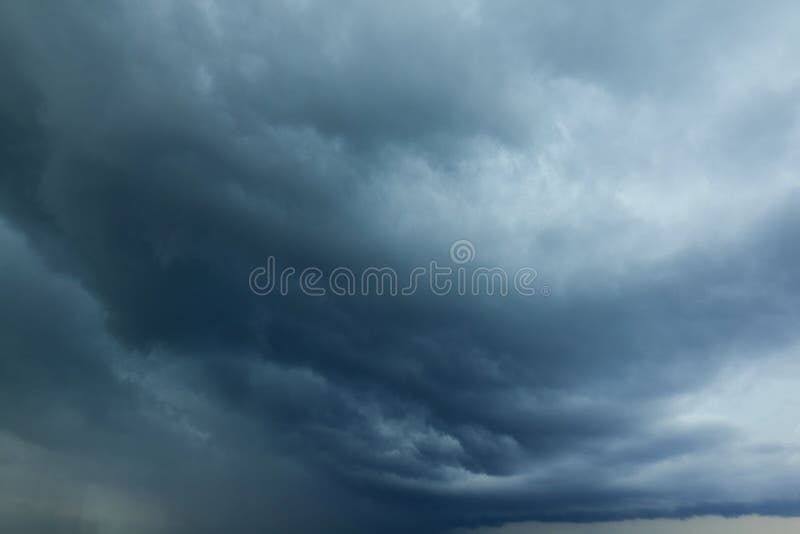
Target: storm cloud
point(642, 158)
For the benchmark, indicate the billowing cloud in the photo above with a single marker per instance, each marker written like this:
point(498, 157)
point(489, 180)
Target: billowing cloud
point(642, 160)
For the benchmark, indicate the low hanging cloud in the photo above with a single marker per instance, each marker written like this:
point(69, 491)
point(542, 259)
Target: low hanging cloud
point(641, 160)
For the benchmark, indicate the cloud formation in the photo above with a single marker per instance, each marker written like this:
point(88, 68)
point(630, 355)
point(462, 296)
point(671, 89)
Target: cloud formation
point(642, 159)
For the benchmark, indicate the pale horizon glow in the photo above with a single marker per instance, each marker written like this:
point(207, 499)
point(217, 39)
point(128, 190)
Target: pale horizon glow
point(695, 525)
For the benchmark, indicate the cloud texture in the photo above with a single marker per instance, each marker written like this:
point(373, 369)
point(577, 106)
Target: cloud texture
point(643, 158)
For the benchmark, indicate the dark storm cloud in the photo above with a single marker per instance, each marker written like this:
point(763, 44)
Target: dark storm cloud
point(154, 153)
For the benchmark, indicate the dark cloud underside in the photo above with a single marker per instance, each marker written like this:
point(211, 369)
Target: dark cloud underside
point(642, 158)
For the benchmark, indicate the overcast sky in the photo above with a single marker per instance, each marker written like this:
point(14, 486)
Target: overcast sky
point(704, 525)
point(642, 157)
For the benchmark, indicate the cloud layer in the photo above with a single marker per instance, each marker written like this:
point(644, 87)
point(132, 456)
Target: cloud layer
point(642, 159)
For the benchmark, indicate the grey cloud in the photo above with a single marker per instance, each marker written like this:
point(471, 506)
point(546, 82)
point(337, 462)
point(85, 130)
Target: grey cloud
point(154, 153)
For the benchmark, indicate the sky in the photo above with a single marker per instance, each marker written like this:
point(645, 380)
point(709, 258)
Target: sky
point(629, 167)
point(704, 525)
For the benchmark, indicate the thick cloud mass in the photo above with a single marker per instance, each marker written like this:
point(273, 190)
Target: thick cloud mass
point(642, 158)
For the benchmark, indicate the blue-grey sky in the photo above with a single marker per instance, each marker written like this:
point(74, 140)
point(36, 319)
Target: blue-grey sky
point(641, 156)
